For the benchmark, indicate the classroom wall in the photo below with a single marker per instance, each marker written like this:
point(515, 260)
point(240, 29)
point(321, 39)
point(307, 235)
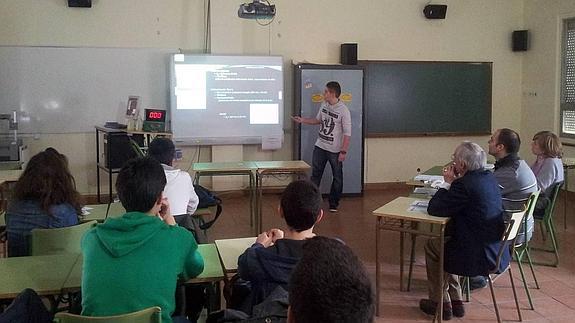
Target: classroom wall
point(302, 31)
point(542, 72)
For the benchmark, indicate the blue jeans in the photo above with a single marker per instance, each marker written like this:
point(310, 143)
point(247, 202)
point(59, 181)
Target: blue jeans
point(320, 158)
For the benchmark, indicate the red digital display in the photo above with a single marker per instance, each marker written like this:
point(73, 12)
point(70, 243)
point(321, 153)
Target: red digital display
point(155, 115)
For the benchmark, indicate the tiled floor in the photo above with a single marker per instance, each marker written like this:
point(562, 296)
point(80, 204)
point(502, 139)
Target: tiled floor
point(354, 223)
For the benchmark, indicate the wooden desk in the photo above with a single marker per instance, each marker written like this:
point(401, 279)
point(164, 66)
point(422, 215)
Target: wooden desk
point(230, 250)
point(98, 212)
point(272, 168)
point(395, 216)
point(10, 175)
point(568, 163)
point(245, 168)
point(45, 274)
point(213, 271)
point(433, 171)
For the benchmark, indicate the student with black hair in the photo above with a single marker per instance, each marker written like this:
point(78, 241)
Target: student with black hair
point(268, 263)
point(330, 284)
point(133, 262)
point(179, 188)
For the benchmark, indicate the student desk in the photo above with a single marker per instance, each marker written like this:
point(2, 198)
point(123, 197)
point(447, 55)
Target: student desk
point(45, 274)
point(230, 250)
point(395, 216)
point(98, 212)
point(212, 270)
point(246, 168)
point(273, 168)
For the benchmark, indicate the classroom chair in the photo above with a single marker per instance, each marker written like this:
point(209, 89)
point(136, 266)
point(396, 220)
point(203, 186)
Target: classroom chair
point(58, 240)
point(547, 226)
point(151, 315)
point(522, 249)
point(508, 239)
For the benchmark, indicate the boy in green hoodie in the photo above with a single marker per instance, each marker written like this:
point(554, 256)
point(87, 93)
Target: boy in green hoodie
point(133, 262)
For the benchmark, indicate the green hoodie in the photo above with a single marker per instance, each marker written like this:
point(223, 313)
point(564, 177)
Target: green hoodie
point(133, 262)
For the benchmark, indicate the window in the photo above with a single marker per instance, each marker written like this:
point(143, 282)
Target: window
point(568, 80)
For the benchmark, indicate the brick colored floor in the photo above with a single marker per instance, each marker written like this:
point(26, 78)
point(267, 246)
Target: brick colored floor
point(355, 224)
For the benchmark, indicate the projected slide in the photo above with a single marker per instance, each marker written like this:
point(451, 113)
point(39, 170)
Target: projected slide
point(222, 98)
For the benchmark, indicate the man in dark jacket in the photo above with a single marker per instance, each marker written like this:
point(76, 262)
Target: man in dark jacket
point(472, 199)
point(269, 262)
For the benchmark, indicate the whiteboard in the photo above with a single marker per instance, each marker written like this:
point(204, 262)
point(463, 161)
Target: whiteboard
point(69, 90)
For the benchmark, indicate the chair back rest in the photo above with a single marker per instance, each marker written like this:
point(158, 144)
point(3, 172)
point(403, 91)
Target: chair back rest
point(510, 233)
point(58, 240)
point(530, 205)
point(551, 205)
point(151, 315)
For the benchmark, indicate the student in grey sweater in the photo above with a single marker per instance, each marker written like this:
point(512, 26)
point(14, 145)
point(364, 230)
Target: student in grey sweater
point(513, 175)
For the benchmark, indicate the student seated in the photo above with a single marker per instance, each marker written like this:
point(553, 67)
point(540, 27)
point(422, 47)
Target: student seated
point(329, 285)
point(268, 263)
point(133, 262)
point(548, 168)
point(471, 197)
point(179, 188)
point(44, 197)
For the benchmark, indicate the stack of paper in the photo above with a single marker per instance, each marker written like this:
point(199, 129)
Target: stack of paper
point(419, 205)
point(428, 178)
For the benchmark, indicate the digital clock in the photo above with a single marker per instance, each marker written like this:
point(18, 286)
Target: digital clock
point(155, 120)
point(155, 115)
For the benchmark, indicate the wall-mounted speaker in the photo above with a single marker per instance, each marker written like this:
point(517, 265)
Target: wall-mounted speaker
point(520, 40)
point(435, 11)
point(348, 54)
point(80, 3)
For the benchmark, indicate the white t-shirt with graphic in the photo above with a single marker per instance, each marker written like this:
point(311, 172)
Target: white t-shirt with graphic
point(335, 122)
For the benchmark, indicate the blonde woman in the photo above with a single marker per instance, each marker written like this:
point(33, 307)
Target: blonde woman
point(548, 168)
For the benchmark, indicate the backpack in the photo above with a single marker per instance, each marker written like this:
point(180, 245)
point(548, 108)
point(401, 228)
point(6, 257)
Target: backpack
point(208, 199)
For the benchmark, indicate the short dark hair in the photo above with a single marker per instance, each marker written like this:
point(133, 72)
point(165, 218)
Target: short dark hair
point(334, 87)
point(301, 204)
point(330, 284)
point(162, 150)
point(510, 139)
point(140, 184)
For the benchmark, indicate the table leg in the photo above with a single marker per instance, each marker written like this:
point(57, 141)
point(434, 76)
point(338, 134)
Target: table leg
point(439, 312)
point(252, 217)
point(401, 238)
point(259, 183)
point(565, 189)
point(377, 269)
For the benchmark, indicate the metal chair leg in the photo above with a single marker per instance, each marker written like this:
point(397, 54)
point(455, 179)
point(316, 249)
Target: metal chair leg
point(494, 300)
point(532, 270)
point(515, 294)
point(519, 256)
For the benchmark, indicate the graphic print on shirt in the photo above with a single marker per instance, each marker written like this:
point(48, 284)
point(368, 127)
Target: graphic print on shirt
point(327, 126)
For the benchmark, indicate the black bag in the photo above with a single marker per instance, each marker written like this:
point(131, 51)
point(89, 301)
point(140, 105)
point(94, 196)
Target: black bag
point(208, 199)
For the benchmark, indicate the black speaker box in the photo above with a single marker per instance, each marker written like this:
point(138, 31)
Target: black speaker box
point(348, 54)
point(80, 3)
point(520, 40)
point(435, 11)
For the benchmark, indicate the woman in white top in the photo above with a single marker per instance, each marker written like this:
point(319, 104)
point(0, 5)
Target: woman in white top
point(548, 168)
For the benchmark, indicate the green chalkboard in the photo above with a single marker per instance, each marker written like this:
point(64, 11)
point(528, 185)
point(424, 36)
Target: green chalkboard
point(427, 98)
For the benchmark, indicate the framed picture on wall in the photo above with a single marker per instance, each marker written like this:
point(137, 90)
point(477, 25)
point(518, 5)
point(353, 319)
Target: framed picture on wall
point(133, 107)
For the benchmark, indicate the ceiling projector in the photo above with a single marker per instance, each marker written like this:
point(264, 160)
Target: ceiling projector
point(257, 9)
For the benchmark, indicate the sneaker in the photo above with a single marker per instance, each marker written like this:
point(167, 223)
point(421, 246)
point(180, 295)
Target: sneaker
point(458, 308)
point(428, 306)
point(333, 209)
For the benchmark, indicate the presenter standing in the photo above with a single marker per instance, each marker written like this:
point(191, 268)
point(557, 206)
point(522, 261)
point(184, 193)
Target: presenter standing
point(333, 140)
